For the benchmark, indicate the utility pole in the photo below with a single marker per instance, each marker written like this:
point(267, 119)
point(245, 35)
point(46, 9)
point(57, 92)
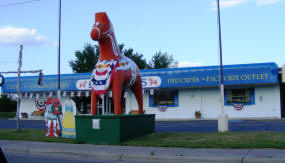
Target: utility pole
point(58, 62)
point(19, 89)
point(58, 52)
point(223, 118)
point(19, 85)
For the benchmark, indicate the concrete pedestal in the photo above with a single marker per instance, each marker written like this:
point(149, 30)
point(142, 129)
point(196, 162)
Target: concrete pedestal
point(223, 123)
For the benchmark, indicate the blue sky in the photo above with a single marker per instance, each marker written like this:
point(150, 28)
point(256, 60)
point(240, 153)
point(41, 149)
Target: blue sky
point(253, 31)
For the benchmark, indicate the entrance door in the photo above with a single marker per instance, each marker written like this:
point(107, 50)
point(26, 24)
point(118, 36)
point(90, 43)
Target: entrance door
point(108, 105)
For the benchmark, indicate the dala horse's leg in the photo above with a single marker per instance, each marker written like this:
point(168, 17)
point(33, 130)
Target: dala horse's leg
point(137, 90)
point(117, 93)
point(122, 101)
point(93, 103)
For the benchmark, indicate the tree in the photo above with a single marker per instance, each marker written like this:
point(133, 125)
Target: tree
point(7, 105)
point(88, 57)
point(85, 59)
point(136, 57)
point(161, 60)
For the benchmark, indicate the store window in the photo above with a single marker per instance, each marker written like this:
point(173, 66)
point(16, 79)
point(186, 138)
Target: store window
point(83, 104)
point(239, 96)
point(164, 97)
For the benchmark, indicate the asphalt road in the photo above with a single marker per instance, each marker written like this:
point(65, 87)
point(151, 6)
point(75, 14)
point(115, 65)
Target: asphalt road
point(185, 126)
point(21, 158)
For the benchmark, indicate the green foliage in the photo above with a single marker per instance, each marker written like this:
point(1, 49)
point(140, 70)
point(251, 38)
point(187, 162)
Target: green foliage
point(7, 105)
point(7, 114)
point(136, 57)
point(161, 60)
point(85, 59)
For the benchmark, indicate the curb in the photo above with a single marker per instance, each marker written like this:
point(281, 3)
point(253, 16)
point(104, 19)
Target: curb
point(127, 157)
point(157, 158)
point(131, 153)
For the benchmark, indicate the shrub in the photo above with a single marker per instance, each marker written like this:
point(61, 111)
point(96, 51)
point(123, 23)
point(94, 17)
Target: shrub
point(7, 114)
point(7, 105)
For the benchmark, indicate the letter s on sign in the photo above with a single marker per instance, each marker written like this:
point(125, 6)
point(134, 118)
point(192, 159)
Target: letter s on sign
point(144, 83)
point(151, 81)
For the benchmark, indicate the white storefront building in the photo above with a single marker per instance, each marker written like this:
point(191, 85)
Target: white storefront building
point(252, 91)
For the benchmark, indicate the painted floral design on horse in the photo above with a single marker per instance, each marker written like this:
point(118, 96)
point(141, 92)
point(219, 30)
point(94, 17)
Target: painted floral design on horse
point(113, 70)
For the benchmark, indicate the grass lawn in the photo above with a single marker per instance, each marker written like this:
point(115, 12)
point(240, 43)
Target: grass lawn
point(31, 135)
point(212, 140)
point(185, 140)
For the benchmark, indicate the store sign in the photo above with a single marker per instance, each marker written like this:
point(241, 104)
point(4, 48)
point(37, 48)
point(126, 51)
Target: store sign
point(147, 82)
point(83, 84)
point(1, 80)
point(249, 74)
point(151, 81)
point(213, 79)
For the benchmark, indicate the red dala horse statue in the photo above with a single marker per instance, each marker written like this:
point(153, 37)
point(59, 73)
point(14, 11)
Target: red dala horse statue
point(113, 70)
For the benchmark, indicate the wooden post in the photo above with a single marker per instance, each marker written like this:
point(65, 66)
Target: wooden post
point(19, 90)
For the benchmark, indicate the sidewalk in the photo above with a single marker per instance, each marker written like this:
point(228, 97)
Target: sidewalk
point(156, 154)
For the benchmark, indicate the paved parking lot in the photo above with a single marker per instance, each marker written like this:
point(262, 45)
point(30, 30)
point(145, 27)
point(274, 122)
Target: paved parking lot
point(10, 124)
point(182, 126)
point(212, 126)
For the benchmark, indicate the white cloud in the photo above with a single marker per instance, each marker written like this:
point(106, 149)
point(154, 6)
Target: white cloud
point(267, 2)
point(189, 64)
point(233, 3)
point(228, 3)
point(10, 36)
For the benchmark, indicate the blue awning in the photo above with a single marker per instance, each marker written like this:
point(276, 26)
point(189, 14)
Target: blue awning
point(190, 77)
point(242, 74)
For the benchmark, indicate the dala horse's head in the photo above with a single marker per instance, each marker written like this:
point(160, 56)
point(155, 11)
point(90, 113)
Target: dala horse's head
point(103, 32)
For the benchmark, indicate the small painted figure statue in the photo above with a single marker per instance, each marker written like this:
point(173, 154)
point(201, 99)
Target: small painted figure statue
point(52, 115)
point(68, 120)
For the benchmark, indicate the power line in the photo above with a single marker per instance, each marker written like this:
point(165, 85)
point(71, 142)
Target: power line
point(18, 3)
